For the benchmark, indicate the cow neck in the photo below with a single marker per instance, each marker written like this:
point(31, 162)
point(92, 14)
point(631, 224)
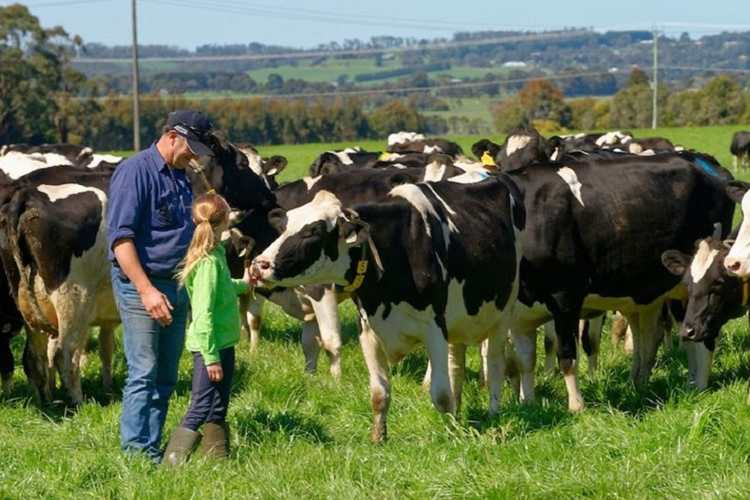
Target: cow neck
point(363, 263)
point(745, 290)
point(201, 172)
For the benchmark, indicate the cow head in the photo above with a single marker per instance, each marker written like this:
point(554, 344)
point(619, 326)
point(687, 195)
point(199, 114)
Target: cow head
point(714, 295)
point(314, 244)
point(737, 260)
point(229, 174)
point(265, 168)
point(522, 147)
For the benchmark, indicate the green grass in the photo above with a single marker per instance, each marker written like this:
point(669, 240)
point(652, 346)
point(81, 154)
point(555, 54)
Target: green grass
point(301, 436)
point(296, 435)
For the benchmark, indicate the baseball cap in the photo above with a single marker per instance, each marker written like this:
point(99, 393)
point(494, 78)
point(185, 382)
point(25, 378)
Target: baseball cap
point(194, 127)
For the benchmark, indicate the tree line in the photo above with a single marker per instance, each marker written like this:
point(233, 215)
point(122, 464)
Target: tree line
point(43, 98)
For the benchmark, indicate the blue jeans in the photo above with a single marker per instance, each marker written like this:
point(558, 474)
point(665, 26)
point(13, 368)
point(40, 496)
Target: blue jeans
point(152, 353)
point(209, 401)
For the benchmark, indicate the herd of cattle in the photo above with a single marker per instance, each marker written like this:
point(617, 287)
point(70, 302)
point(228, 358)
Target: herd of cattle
point(433, 247)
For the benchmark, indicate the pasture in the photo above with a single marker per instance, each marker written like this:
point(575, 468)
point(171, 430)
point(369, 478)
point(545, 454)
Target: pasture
point(303, 436)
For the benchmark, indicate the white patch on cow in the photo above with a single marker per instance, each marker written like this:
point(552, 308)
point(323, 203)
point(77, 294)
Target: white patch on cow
point(447, 208)
point(54, 159)
point(740, 250)
point(310, 181)
point(62, 191)
point(254, 161)
point(404, 137)
point(702, 261)
point(569, 176)
point(415, 196)
point(612, 138)
point(469, 177)
point(343, 156)
point(431, 149)
point(516, 142)
point(390, 157)
point(96, 160)
point(434, 171)
point(15, 164)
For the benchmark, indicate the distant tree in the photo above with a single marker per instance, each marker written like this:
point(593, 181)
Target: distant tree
point(508, 115)
point(275, 82)
point(35, 80)
point(395, 116)
point(541, 100)
point(638, 77)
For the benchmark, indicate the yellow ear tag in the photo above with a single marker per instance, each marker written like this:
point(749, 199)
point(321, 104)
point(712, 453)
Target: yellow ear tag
point(384, 156)
point(487, 159)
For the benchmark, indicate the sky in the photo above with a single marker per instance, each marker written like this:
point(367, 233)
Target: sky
point(309, 23)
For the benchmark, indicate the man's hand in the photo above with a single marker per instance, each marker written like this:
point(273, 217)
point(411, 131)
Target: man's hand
point(158, 306)
point(215, 373)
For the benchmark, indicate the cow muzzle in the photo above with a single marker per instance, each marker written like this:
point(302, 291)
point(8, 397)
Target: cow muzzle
point(735, 266)
point(261, 271)
point(690, 333)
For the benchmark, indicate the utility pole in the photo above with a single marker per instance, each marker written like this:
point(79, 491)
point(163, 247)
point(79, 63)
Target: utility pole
point(136, 106)
point(655, 111)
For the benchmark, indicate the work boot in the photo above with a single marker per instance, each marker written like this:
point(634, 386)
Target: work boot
point(181, 445)
point(216, 440)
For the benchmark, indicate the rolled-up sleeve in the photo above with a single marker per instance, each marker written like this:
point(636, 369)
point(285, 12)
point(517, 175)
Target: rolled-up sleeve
point(126, 196)
point(205, 278)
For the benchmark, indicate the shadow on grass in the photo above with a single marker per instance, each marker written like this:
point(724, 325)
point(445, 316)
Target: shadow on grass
point(260, 425)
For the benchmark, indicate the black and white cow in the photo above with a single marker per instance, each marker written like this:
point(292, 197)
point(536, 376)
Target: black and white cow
point(55, 254)
point(11, 323)
point(737, 260)
point(591, 245)
point(714, 297)
point(740, 149)
point(337, 161)
point(265, 168)
point(433, 264)
point(66, 154)
point(316, 306)
point(525, 146)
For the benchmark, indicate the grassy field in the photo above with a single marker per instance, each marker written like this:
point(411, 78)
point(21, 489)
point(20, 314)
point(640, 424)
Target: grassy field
point(302, 436)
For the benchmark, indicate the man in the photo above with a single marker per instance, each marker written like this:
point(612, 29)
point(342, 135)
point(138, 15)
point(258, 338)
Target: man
point(149, 230)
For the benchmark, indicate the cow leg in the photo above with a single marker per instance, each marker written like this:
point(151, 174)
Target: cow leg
point(524, 343)
point(550, 347)
point(6, 363)
point(496, 364)
point(427, 378)
point(511, 368)
point(35, 364)
point(646, 338)
point(380, 386)
point(566, 326)
point(484, 376)
point(456, 370)
point(53, 362)
point(311, 345)
point(440, 384)
point(734, 163)
point(70, 372)
point(329, 328)
point(700, 359)
point(591, 337)
point(106, 353)
point(254, 317)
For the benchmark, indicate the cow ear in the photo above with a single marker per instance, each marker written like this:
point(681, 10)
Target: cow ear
point(675, 261)
point(353, 230)
point(277, 219)
point(736, 190)
point(274, 165)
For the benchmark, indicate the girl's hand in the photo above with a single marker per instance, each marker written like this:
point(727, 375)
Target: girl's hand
point(215, 373)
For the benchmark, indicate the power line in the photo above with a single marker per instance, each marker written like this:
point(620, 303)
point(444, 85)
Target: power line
point(64, 2)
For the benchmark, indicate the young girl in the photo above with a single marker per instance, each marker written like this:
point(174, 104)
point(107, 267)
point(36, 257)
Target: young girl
point(212, 334)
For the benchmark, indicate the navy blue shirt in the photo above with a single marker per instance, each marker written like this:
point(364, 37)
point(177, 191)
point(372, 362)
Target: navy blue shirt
point(149, 202)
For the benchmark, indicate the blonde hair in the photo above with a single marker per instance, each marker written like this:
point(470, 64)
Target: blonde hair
point(209, 212)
